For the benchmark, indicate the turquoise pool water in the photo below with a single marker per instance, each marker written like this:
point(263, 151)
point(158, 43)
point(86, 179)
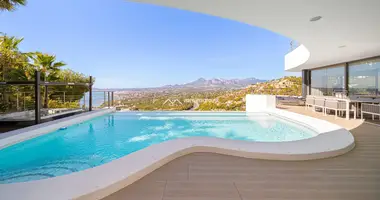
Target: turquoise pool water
point(109, 137)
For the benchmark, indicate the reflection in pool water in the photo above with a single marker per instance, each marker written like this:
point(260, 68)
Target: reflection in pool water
point(112, 136)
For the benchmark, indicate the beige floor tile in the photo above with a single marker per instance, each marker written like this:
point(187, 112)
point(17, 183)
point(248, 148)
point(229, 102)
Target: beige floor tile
point(200, 190)
point(140, 191)
point(207, 176)
point(298, 193)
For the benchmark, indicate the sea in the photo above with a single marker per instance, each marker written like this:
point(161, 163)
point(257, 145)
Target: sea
point(97, 98)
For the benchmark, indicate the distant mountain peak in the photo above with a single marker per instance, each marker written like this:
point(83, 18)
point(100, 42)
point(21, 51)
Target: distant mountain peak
point(217, 83)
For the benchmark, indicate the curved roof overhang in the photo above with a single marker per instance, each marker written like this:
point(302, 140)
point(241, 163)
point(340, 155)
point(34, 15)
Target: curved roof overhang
point(349, 29)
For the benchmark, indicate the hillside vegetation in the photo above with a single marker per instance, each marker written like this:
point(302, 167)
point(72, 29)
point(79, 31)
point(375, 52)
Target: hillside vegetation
point(235, 100)
point(171, 101)
point(223, 100)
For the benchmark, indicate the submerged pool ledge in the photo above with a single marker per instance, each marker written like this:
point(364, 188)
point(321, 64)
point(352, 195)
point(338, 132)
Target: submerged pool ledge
point(101, 181)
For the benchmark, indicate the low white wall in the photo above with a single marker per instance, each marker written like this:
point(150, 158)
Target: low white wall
point(259, 103)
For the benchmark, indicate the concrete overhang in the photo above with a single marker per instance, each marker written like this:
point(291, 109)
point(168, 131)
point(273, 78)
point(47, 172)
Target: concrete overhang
point(348, 30)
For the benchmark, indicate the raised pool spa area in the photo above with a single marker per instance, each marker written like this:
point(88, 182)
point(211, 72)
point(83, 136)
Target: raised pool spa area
point(108, 137)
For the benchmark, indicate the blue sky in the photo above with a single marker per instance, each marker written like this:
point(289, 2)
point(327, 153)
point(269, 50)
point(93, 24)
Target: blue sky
point(125, 44)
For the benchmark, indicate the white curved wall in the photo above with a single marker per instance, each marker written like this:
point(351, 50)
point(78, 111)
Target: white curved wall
point(296, 58)
point(350, 23)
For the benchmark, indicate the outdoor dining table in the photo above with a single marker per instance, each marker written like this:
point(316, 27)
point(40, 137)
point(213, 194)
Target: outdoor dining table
point(356, 102)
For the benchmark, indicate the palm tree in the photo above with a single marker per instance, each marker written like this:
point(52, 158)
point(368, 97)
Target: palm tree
point(10, 5)
point(47, 65)
point(49, 68)
point(13, 65)
point(10, 56)
point(10, 42)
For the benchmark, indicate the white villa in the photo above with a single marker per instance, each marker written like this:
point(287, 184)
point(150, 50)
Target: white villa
point(339, 58)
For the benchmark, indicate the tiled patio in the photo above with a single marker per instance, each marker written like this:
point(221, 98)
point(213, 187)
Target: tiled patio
point(206, 176)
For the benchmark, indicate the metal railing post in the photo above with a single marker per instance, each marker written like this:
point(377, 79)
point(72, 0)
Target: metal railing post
point(37, 97)
point(112, 103)
point(90, 95)
point(109, 100)
point(46, 98)
point(104, 102)
point(84, 100)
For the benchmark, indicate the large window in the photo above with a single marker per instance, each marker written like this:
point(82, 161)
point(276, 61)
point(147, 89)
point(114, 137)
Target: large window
point(327, 81)
point(364, 77)
point(318, 82)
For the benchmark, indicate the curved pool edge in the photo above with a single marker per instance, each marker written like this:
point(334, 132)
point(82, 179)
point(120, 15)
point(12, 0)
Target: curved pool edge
point(103, 180)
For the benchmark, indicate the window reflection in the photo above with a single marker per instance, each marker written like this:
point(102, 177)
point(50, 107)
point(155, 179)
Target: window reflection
point(364, 77)
point(318, 82)
point(335, 80)
point(327, 81)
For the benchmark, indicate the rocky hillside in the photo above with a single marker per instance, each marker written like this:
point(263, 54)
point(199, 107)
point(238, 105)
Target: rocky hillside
point(235, 100)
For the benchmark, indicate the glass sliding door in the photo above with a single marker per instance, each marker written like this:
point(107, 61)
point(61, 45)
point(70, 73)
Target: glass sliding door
point(318, 82)
point(327, 81)
point(335, 80)
point(364, 77)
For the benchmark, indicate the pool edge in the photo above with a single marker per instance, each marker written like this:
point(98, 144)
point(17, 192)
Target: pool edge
point(103, 180)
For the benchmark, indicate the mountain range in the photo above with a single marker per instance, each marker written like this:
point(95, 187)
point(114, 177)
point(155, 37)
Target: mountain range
point(217, 83)
point(199, 84)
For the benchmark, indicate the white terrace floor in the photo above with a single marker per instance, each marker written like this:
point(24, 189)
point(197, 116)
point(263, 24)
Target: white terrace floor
point(207, 176)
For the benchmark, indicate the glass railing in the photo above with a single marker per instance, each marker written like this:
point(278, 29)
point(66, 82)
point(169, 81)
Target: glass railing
point(293, 45)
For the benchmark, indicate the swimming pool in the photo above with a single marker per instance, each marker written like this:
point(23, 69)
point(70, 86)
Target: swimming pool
point(112, 136)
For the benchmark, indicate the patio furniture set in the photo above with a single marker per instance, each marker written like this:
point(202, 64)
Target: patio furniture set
point(344, 106)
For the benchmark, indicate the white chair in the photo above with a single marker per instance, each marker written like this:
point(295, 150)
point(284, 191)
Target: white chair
point(319, 103)
point(337, 106)
point(373, 109)
point(309, 102)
